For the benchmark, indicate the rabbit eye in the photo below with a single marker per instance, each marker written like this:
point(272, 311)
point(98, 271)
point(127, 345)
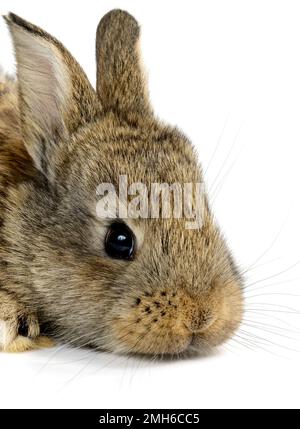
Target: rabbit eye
point(119, 241)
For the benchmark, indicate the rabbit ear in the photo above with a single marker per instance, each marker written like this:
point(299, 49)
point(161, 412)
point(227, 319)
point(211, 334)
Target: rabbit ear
point(55, 96)
point(120, 82)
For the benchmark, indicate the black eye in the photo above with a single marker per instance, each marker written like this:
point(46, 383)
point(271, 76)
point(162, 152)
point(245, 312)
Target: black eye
point(119, 241)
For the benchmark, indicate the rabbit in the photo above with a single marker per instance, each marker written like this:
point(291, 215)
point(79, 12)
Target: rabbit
point(125, 285)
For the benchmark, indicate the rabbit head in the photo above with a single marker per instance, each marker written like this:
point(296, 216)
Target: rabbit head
point(130, 284)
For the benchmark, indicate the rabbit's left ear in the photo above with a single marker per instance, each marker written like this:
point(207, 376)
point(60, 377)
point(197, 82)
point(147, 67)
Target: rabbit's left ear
point(55, 96)
point(121, 84)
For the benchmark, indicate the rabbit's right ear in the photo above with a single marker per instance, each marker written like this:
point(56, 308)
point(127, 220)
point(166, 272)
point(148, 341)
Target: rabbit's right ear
point(55, 96)
point(121, 84)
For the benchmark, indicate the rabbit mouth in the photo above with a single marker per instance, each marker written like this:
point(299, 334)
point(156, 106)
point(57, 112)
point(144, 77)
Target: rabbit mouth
point(169, 323)
point(171, 338)
point(192, 345)
point(199, 346)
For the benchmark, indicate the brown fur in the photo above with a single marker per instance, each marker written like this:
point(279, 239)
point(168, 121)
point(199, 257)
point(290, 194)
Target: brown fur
point(182, 291)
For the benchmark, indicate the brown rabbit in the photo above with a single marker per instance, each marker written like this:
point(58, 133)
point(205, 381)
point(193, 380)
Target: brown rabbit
point(65, 274)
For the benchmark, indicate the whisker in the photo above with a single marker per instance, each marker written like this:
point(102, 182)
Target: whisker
point(216, 146)
point(274, 275)
point(272, 305)
point(270, 316)
point(282, 294)
point(257, 346)
point(255, 266)
point(226, 159)
point(269, 341)
point(269, 248)
point(241, 341)
point(270, 331)
point(63, 346)
point(74, 377)
point(255, 322)
point(219, 187)
point(261, 311)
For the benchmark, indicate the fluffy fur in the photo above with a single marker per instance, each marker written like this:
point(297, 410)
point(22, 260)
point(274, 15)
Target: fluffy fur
point(59, 138)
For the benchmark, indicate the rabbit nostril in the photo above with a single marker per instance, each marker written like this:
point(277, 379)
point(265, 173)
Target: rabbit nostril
point(200, 322)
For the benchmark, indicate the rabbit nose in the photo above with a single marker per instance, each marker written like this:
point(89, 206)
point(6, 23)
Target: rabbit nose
point(199, 321)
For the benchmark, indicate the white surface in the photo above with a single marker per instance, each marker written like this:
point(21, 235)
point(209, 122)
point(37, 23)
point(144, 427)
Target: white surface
point(228, 72)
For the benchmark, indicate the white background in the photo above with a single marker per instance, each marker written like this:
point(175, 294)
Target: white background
point(228, 73)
